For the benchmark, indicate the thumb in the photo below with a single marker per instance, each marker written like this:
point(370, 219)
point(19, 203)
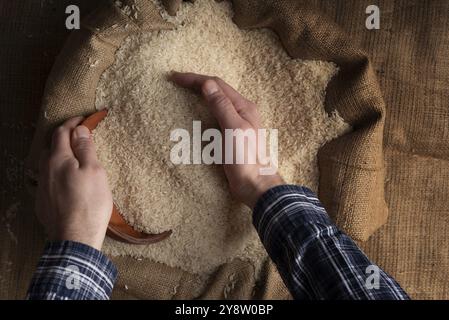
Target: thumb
point(83, 146)
point(221, 106)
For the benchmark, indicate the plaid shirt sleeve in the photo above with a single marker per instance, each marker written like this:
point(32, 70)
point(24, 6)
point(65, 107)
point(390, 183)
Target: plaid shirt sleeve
point(72, 271)
point(315, 259)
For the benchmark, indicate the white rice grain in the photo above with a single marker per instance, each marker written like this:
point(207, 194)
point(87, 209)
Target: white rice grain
point(209, 227)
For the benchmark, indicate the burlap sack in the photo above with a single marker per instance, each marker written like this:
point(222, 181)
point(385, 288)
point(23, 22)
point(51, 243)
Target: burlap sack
point(351, 167)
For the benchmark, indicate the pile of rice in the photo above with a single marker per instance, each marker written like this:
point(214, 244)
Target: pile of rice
point(133, 142)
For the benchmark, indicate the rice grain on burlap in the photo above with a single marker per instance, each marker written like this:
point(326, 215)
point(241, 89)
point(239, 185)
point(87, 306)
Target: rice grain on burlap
point(351, 167)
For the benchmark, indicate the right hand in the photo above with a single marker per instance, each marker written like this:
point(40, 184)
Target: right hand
point(232, 111)
point(74, 201)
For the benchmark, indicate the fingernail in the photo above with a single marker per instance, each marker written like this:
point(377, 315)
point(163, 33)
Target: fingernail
point(210, 87)
point(82, 132)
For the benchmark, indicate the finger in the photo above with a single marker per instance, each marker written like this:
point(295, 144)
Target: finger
point(60, 145)
point(195, 82)
point(220, 105)
point(83, 146)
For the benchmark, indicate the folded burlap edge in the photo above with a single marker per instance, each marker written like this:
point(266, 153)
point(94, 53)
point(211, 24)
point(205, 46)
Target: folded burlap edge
point(351, 167)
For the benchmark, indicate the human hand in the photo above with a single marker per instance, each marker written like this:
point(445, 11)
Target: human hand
point(74, 201)
point(232, 111)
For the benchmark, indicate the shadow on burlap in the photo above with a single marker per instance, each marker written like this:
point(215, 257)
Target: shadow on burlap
point(351, 167)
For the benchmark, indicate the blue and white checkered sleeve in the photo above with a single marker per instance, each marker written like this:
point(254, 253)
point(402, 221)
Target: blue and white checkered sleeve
point(70, 270)
point(314, 258)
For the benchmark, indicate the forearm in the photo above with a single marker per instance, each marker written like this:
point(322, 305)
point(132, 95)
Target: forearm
point(72, 271)
point(315, 259)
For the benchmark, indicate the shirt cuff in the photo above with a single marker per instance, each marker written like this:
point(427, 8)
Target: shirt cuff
point(287, 207)
point(71, 270)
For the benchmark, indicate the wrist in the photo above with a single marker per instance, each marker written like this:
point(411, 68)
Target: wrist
point(94, 241)
point(261, 185)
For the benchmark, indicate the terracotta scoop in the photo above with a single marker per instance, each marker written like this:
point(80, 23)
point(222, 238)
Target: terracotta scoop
point(118, 229)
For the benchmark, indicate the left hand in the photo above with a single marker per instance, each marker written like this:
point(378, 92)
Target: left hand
point(233, 111)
